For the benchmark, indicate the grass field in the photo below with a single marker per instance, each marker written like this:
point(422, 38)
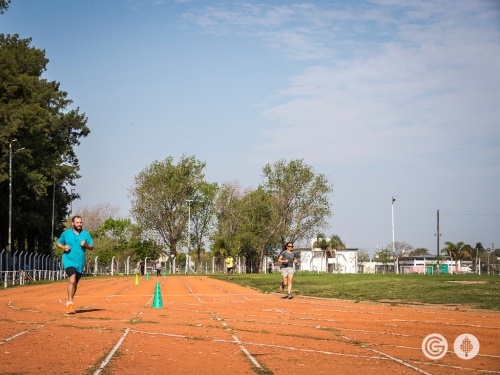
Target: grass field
point(472, 291)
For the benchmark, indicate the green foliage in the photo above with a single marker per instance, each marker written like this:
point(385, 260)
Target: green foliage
point(202, 215)
point(471, 290)
point(4, 5)
point(43, 132)
point(419, 251)
point(160, 198)
point(290, 205)
point(301, 198)
point(457, 251)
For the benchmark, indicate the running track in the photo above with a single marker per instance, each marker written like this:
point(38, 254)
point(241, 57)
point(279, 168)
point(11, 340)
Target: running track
point(208, 326)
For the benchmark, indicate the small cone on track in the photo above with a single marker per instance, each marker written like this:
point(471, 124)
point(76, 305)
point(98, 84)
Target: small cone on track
point(147, 276)
point(157, 303)
point(136, 279)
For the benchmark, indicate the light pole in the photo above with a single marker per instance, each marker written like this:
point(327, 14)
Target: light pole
point(53, 213)
point(189, 223)
point(393, 199)
point(10, 192)
point(71, 209)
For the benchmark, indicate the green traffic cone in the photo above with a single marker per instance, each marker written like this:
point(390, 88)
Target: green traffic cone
point(157, 303)
point(147, 276)
point(136, 279)
point(164, 273)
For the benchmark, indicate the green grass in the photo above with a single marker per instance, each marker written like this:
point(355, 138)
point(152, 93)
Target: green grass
point(481, 292)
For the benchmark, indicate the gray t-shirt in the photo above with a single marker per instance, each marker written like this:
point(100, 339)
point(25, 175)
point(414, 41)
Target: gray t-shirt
point(289, 257)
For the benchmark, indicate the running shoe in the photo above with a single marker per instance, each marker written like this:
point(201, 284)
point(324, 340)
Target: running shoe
point(289, 296)
point(70, 309)
point(282, 287)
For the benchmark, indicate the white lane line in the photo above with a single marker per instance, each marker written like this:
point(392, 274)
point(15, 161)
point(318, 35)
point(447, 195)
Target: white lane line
point(249, 355)
point(235, 338)
point(19, 334)
point(191, 291)
point(110, 355)
point(400, 361)
point(161, 334)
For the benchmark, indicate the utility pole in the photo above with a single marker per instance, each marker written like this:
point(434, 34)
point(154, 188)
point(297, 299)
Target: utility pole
point(393, 246)
point(437, 236)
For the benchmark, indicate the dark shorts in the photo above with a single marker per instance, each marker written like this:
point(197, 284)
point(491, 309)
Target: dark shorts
point(229, 269)
point(70, 271)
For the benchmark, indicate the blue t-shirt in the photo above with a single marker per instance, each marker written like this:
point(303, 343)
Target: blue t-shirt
point(75, 257)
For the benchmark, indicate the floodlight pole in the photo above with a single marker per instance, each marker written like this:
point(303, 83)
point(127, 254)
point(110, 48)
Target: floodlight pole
point(189, 223)
point(437, 236)
point(53, 214)
point(393, 199)
point(71, 209)
point(10, 195)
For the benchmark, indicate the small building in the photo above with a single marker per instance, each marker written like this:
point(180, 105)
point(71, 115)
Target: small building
point(428, 264)
point(333, 261)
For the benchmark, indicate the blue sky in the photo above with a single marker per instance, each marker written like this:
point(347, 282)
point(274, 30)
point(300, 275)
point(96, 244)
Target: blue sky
point(384, 97)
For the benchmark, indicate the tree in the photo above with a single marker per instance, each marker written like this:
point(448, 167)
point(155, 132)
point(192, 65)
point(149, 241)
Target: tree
point(457, 251)
point(4, 5)
point(229, 220)
point(401, 249)
point(94, 217)
point(203, 215)
point(258, 230)
point(159, 198)
point(363, 256)
point(384, 256)
point(419, 251)
point(301, 199)
point(336, 242)
point(34, 112)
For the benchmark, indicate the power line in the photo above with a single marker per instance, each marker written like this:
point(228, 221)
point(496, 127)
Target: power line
point(470, 214)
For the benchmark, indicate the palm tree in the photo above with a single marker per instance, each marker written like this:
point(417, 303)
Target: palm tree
point(457, 251)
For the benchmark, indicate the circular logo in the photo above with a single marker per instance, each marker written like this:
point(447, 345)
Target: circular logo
point(434, 346)
point(466, 346)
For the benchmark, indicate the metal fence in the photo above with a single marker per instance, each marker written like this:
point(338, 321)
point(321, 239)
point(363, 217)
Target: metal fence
point(19, 268)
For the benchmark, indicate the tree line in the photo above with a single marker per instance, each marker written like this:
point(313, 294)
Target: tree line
point(39, 129)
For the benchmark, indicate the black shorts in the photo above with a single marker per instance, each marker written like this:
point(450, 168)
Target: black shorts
point(229, 269)
point(70, 271)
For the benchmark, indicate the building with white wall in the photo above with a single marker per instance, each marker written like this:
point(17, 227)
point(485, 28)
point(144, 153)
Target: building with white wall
point(318, 260)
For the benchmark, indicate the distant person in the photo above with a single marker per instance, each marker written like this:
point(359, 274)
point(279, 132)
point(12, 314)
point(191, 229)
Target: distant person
point(141, 267)
point(75, 242)
point(287, 259)
point(270, 268)
point(230, 266)
point(158, 268)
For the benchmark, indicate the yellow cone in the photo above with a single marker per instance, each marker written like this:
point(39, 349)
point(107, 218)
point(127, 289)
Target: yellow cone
point(136, 279)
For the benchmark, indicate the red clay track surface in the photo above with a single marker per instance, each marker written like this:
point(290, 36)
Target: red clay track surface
point(208, 326)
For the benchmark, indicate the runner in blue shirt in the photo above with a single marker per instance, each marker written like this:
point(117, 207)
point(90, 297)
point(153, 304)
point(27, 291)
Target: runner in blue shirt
point(75, 242)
